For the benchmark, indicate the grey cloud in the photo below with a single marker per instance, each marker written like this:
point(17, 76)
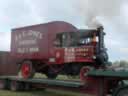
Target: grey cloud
point(5, 38)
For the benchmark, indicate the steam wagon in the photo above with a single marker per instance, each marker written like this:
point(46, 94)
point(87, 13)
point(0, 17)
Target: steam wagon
point(57, 48)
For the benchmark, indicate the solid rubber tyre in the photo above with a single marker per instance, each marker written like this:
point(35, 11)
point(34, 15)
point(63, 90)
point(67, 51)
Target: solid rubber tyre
point(26, 70)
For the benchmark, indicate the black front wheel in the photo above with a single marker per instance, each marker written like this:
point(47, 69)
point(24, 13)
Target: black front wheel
point(102, 58)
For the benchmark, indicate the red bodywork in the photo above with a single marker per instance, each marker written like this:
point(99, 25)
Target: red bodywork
point(74, 54)
point(37, 42)
point(8, 64)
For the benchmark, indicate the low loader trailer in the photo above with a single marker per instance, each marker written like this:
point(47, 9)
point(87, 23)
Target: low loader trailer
point(56, 48)
point(98, 83)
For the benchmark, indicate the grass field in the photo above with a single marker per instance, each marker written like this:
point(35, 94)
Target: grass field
point(59, 77)
point(39, 93)
point(46, 92)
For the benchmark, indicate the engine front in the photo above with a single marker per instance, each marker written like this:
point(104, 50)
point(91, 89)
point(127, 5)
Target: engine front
point(76, 51)
point(82, 46)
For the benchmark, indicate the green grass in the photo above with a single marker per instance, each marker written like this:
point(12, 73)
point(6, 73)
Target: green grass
point(59, 77)
point(39, 93)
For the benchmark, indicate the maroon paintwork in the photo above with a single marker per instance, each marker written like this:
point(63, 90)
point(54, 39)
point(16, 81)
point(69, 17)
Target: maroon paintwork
point(8, 64)
point(74, 54)
point(36, 42)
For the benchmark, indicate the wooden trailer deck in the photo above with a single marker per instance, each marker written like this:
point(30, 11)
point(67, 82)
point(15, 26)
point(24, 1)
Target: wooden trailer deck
point(109, 73)
point(104, 83)
point(64, 83)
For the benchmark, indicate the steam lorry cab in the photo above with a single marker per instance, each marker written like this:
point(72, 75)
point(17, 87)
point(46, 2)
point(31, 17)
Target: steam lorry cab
point(57, 48)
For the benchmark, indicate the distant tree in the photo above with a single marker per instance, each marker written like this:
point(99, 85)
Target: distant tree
point(123, 63)
point(116, 62)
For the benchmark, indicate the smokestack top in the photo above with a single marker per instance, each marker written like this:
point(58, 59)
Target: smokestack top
point(94, 23)
point(100, 28)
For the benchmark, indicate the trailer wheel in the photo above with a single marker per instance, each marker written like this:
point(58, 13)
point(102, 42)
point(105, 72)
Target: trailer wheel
point(26, 70)
point(16, 86)
point(3, 84)
point(122, 92)
point(27, 86)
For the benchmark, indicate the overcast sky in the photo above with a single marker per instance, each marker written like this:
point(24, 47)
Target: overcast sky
point(112, 14)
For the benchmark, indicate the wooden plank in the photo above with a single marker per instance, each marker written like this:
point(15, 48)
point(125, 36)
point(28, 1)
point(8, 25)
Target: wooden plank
point(46, 81)
point(108, 73)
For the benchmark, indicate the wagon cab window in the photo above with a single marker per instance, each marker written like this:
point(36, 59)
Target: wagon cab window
point(65, 39)
point(84, 41)
point(58, 41)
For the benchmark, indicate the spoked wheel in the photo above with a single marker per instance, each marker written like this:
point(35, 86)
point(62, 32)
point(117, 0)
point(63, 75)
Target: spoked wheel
point(26, 70)
point(51, 74)
point(83, 74)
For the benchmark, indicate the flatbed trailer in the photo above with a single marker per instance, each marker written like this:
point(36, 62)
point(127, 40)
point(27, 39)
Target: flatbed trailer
point(102, 83)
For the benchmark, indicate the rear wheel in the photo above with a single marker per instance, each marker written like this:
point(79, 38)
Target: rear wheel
point(26, 70)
